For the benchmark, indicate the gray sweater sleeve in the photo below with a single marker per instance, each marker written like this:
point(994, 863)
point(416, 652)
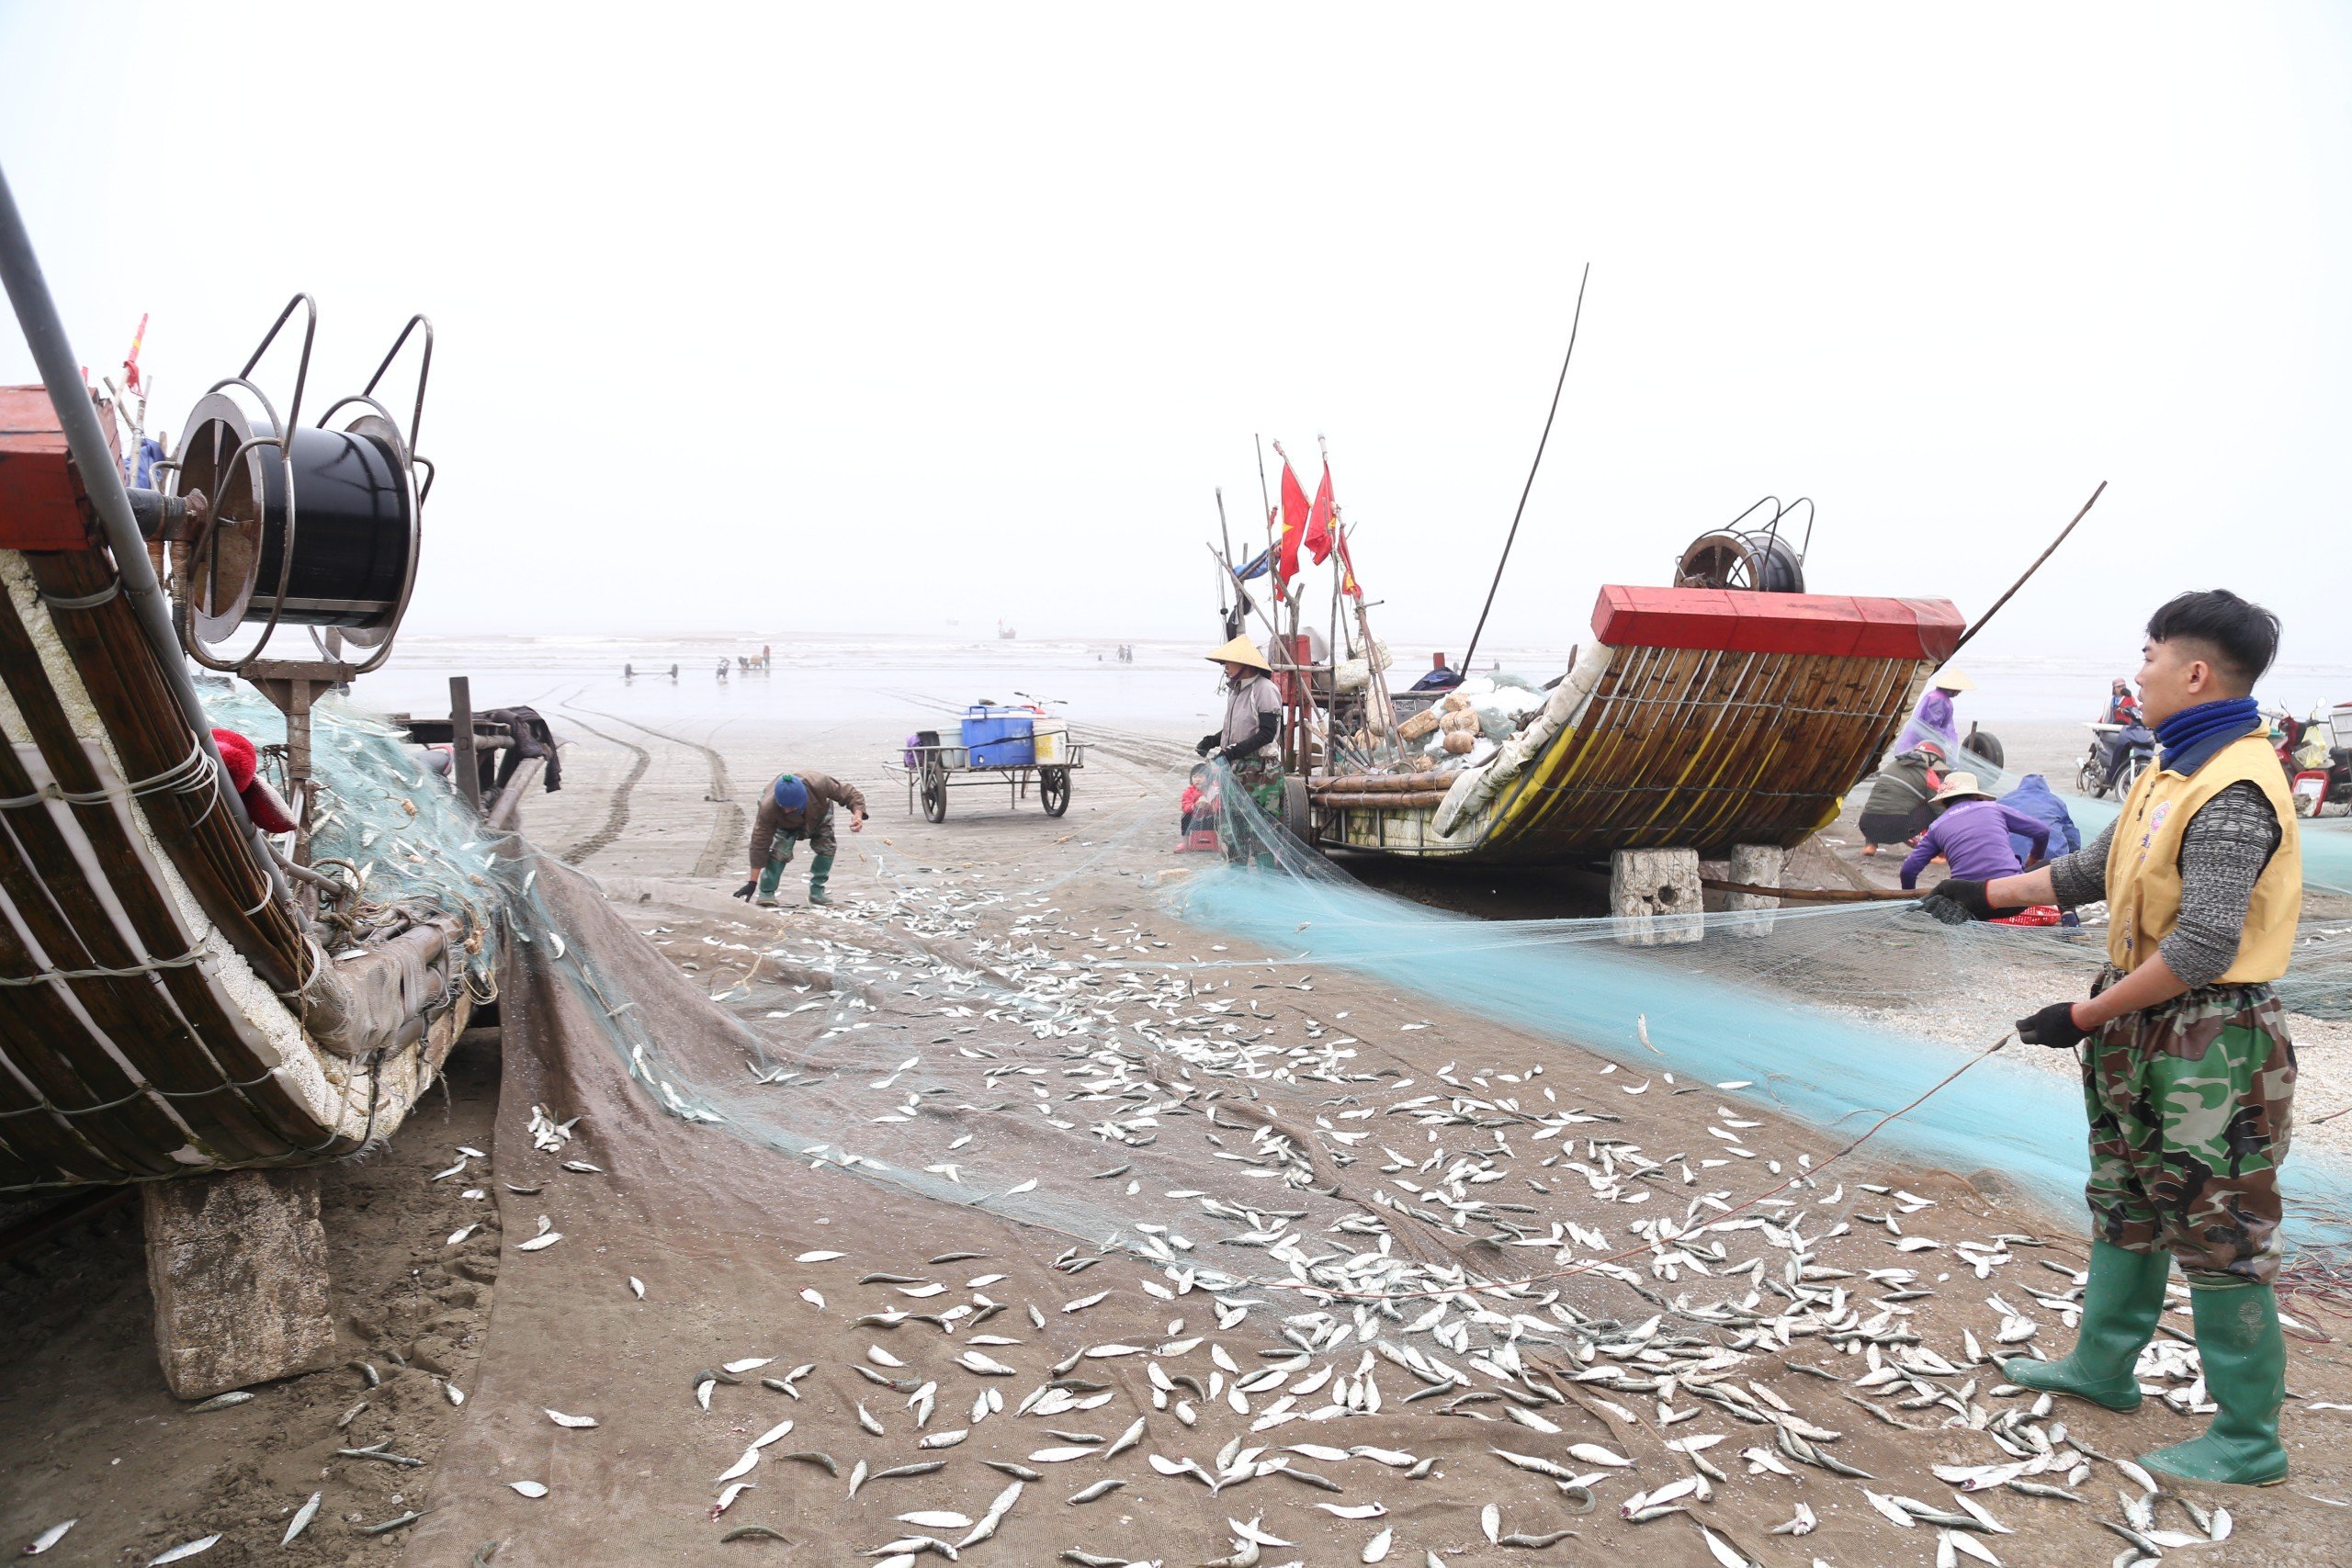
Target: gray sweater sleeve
point(2081, 877)
point(2222, 853)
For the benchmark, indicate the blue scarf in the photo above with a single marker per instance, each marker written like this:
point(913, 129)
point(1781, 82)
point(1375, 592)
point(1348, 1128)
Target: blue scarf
point(2211, 723)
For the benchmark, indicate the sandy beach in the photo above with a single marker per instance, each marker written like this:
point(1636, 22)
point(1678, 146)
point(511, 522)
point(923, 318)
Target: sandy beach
point(935, 1223)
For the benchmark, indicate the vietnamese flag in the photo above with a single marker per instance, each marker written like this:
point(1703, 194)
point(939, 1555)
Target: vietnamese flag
point(1295, 510)
point(1318, 521)
point(1348, 583)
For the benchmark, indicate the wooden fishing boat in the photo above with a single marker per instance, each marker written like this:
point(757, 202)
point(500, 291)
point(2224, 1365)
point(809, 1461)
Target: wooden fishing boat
point(1702, 718)
point(187, 1003)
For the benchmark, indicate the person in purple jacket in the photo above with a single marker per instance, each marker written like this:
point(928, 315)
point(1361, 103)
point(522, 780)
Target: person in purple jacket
point(1933, 719)
point(1971, 829)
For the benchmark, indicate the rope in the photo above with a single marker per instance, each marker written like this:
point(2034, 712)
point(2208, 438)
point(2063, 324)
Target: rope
point(190, 776)
point(136, 1092)
point(194, 955)
point(87, 602)
point(1589, 1264)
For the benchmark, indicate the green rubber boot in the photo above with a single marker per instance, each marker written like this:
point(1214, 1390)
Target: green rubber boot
point(2120, 1305)
point(820, 869)
point(779, 857)
point(2245, 1373)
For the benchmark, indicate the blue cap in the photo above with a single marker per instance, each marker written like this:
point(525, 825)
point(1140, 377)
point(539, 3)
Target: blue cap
point(791, 795)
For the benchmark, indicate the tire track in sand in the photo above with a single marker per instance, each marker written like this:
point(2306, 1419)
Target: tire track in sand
point(616, 814)
point(730, 830)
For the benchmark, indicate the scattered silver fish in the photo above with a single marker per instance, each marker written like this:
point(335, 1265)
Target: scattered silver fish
point(302, 1518)
point(56, 1533)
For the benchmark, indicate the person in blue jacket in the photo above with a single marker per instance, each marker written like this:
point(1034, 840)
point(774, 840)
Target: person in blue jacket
point(2033, 798)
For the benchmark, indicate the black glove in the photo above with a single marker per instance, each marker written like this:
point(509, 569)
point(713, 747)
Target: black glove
point(1207, 745)
point(2053, 1026)
point(1957, 901)
point(745, 892)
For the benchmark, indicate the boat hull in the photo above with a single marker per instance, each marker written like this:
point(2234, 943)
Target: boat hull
point(1736, 719)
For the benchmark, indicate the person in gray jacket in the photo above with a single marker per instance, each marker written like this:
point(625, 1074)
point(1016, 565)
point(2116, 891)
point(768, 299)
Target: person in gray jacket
point(798, 805)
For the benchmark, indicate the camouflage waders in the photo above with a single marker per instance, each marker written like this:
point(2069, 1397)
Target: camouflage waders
point(2190, 1108)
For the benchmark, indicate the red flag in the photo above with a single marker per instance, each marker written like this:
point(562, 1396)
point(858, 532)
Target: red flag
point(1318, 521)
point(131, 364)
point(1293, 525)
point(1348, 583)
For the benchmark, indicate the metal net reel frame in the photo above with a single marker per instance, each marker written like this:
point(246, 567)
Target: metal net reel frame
point(1749, 559)
point(256, 503)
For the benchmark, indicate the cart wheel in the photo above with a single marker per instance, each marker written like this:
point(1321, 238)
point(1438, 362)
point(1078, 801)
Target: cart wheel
point(934, 795)
point(1053, 790)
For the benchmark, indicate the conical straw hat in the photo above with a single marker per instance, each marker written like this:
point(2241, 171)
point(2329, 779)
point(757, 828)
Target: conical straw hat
point(1241, 650)
point(1953, 681)
point(1961, 786)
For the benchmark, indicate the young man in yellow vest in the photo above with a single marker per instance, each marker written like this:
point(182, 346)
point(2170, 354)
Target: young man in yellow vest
point(2188, 1075)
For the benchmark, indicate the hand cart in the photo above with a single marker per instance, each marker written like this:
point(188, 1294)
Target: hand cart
point(932, 770)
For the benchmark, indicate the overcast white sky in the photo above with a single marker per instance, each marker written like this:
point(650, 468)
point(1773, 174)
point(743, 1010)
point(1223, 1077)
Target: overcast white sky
point(861, 318)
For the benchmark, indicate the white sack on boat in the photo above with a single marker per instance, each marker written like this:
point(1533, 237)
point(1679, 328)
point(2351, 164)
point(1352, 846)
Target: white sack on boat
point(1475, 790)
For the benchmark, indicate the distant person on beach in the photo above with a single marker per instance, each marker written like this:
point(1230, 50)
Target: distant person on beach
point(722, 668)
point(2188, 1073)
point(1971, 833)
point(798, 805)
point(673, 672)
point(1895, 810)
point(1932, 719)
point(629, 671)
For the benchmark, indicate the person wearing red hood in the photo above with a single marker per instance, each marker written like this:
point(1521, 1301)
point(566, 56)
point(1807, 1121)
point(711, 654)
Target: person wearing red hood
point(242, 764)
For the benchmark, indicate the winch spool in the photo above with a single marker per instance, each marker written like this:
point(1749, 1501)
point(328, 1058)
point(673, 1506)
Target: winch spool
point(1759, 561)
point(318, 528)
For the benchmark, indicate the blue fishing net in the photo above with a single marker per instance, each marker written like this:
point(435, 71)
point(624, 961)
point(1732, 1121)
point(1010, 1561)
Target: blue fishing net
point(383, 823)
point(1839, 1014)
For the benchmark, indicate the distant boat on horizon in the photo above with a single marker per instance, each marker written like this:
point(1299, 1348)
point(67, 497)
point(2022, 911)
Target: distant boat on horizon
point(1005, 633)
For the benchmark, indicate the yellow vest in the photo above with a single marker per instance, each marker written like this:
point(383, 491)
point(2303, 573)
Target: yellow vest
point(2144, 862)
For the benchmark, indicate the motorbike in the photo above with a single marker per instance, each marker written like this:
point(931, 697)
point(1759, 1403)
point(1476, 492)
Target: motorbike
point(2138, 743)
point(2317, 755)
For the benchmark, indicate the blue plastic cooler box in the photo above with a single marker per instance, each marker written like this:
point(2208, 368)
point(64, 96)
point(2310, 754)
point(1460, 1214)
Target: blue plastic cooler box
point(1000, 737)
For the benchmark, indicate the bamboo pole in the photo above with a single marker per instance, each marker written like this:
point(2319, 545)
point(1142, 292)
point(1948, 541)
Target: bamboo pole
point(1970, 634)
point(1814, 895)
